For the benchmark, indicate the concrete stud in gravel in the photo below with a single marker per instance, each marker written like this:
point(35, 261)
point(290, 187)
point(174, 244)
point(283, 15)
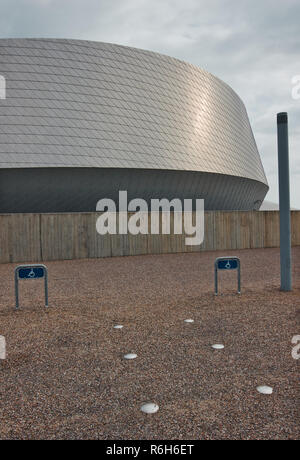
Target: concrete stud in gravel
point(118, 326)
point(149, 408)
point(218, 346)
point(130, 356)
point(189, 320)
point(2, 347)
point(265, 390)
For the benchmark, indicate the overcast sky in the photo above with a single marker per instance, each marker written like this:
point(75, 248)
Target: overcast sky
point(254, 46)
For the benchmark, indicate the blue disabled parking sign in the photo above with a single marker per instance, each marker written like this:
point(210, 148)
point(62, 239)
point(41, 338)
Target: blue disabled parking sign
point(31, 272)
point(228, 263)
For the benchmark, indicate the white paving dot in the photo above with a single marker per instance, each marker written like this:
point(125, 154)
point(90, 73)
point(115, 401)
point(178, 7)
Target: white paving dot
point(149, 408)
point(265, 390)
point(130, 356)
point(118, 326)
point(218, 346)
point(189, 320)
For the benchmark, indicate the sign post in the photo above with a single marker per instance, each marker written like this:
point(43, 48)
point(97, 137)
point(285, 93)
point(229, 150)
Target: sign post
point(228, 263)
point(29, 272)
point(284, 202)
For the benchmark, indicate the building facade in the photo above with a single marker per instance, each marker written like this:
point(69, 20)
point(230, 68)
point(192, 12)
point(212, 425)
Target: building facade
point(82, 120)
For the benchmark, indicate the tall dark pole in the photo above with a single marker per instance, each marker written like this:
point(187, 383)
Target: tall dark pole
point(284, 202)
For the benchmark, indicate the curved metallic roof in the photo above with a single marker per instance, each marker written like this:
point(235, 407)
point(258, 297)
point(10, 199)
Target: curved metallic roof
point(88, 104)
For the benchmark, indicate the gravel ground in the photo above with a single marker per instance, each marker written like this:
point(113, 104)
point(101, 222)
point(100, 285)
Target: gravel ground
point(65, 376)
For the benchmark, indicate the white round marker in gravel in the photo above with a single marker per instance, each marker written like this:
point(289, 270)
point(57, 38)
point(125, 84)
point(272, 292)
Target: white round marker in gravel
point(118, 326)
point(189, 320)
point(265, 390)
point(149, 408)
point(218, 346)
point(130, 356)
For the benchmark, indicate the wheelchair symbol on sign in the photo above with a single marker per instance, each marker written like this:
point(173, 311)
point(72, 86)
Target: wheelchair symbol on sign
point(228, 265)
point(31, 274)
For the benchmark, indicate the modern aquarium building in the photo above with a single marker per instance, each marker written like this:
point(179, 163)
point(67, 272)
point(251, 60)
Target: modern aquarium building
point(82, 120)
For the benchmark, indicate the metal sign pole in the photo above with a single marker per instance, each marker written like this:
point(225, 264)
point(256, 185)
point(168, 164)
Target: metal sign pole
point(239, 276)
point(216, 278)
point(46, 287)
point(284, 202)
point(17, 288)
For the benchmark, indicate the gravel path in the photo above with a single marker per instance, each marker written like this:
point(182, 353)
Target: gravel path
point(65, 376)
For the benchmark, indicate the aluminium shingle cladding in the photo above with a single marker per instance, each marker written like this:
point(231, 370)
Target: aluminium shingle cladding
point(86, 104)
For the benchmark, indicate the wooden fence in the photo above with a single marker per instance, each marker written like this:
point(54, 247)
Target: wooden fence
point(43, 237)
